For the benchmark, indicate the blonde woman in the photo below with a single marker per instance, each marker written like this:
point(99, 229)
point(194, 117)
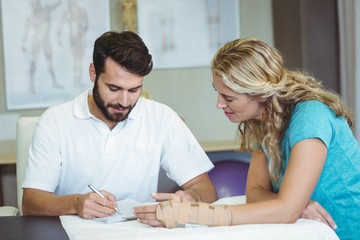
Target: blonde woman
point(303, 149)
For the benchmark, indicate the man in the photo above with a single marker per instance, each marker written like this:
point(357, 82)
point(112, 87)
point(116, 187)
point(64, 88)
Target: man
point(112, 138)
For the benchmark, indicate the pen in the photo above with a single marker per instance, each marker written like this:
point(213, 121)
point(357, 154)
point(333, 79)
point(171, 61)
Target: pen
point(99, 193)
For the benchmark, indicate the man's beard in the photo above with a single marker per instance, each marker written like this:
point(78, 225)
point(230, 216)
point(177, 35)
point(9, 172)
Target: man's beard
point(113, 117)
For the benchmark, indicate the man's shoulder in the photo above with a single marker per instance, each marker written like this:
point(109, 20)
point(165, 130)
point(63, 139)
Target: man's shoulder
point(68, 107)
point(151, 105)
point(59, 111)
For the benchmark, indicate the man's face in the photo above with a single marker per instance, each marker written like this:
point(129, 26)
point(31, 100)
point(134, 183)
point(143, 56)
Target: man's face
point(116, 92)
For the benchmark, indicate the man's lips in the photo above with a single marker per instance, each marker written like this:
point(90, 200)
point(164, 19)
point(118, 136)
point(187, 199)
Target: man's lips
point(119, 108)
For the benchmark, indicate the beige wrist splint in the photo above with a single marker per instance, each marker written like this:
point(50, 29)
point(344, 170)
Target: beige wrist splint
point(178, 213)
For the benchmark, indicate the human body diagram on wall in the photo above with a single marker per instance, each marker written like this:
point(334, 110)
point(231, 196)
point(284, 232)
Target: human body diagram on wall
point(187, 33)
point(47, 57)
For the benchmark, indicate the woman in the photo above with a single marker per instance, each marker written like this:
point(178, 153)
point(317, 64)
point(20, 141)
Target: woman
point(299, 134)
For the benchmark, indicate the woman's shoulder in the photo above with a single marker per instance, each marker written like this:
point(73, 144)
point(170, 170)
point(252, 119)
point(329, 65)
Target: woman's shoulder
point(312, 112)
point(313, 107)
point(311, 104)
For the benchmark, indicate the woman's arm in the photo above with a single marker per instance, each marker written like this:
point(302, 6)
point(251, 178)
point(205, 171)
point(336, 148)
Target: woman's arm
point(258, 188)
point(306, 162)
point(258, 184)
point(305, 165)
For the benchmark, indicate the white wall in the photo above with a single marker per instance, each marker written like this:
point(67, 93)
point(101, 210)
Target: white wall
point(188, 91)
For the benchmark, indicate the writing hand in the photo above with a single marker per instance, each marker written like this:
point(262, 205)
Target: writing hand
point(93, 205)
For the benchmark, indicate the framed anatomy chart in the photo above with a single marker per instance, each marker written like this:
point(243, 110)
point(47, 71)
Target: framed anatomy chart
point(187, 33)
point(47, 46)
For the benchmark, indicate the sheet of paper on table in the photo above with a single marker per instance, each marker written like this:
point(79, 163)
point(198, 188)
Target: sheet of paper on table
point(125, 211)
point(78, 228)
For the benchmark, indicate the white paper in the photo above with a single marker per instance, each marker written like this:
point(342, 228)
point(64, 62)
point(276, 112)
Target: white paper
point(78, 228)
point(125, 211)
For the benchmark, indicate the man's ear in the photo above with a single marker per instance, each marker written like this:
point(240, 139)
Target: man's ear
point(92, 72)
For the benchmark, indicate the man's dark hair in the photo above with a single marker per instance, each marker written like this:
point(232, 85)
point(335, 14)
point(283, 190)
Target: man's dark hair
point(126, 48)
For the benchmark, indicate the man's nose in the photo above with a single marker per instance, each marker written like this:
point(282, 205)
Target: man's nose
point(123, 99)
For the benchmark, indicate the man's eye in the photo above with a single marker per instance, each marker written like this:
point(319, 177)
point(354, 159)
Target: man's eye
point(113, 89)
point(133, 90)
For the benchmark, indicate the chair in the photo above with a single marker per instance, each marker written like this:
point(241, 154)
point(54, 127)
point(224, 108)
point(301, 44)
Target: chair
point(25, 130)
point(229, 177)
point(8, 211)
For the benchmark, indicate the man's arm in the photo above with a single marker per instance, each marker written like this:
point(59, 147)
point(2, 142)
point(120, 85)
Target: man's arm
point(198, 189)
point(41, 203)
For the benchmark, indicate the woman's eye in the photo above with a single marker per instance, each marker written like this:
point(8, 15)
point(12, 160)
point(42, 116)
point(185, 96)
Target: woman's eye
point(227, 98)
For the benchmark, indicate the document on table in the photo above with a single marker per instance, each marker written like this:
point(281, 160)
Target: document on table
point(125, 211)
point(78, 228)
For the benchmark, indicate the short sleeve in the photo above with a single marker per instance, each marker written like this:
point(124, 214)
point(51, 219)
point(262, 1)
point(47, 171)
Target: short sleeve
point(311, 119)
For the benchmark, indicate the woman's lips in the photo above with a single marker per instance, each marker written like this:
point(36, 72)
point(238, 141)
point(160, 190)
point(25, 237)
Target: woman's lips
point(229, 114)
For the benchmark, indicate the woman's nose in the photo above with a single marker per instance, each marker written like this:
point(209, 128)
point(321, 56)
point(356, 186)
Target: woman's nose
point(220, 102)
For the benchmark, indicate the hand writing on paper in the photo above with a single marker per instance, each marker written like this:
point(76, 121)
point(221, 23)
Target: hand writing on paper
point(316, 212)
point(92, 205)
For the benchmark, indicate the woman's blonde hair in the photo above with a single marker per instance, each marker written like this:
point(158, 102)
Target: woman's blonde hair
point(252, 67)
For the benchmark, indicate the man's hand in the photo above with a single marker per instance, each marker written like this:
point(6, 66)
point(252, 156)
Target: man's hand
point(316, 212)
point(92, 205)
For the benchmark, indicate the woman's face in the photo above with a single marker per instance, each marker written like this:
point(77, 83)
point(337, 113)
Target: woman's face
point(237, 107)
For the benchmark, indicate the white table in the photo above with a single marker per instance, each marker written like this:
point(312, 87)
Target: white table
point(81, 229)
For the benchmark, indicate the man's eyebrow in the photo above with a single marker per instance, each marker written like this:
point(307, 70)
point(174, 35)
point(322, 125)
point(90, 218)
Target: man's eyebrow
point(118, 87)
point(140, 86)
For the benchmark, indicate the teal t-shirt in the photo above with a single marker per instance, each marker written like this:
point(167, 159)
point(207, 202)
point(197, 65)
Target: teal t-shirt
point(338, 189)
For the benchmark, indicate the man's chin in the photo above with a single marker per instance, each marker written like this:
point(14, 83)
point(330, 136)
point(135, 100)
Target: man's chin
point(118, 118)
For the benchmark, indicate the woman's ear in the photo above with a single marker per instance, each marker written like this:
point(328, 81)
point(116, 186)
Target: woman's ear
point(92, 72)
point(262, 99)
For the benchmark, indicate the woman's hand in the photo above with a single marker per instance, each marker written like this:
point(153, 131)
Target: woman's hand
point(147, 215)
point(316, 212)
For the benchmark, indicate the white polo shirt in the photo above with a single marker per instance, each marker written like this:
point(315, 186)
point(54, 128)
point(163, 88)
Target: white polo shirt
point(71, 148)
